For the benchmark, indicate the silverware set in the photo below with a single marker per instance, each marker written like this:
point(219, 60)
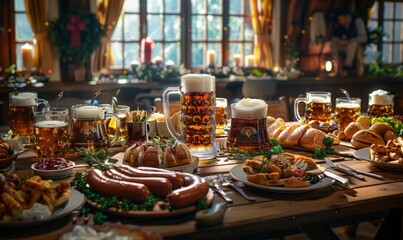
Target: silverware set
point(216, 181)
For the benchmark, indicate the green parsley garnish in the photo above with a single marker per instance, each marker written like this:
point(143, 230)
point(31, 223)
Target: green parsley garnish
point(320, 153)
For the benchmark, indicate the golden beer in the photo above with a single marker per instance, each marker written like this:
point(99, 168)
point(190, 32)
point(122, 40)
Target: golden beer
point(380, 103)
point(90, 134)
point(318, 111)
point(111, 127)
point(380, 110)
point(221, 119)
point(21, 120)
point(198, 119)
point(50, 138)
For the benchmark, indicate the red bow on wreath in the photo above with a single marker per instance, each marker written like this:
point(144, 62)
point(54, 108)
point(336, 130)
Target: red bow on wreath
point(75, 26)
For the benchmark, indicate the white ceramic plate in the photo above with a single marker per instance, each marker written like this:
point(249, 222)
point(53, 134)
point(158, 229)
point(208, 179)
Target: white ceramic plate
point(75, 202)
point(364, 154)
point(238, 174)
point(54, 174)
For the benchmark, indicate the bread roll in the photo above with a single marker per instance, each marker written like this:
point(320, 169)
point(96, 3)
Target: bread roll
point(270, 120)
point(152, 157)
point(312, 139)
point(277, 131)
point(366, 137)
point(182, 154)
point(351, 129)
point(389, 135)
point(380, 128)
point(295, 136)
point(284, 134)
point(277, 124)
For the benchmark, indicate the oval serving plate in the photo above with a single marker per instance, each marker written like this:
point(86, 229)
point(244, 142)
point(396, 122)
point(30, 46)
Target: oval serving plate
point(156, 213)
point(76, 201)
point(238, 174)
point(364, 154)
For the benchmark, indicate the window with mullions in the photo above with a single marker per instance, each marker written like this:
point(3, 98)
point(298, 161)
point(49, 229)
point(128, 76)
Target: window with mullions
point(240, 30)
point(23, 30)
point(391, 21)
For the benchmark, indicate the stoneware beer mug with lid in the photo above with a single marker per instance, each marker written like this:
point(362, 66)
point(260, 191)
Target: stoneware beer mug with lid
point(88, 127)
point(198, 106)
point(318, 106)
point(248, 125)
point(22, 106)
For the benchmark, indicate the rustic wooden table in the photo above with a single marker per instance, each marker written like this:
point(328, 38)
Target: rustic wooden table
point(272, 215)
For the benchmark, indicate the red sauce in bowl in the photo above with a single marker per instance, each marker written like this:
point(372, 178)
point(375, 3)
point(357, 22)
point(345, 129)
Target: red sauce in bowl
point(53, 164)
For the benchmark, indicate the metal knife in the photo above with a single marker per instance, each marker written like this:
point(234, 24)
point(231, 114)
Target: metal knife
point(222, 193)
point(336, 167)
point(362, 172)
point(336, 177)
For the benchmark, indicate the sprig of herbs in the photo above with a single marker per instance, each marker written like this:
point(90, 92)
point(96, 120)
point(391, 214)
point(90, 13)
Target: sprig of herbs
point(239, 154)
point(94, 158)
point(320, 153)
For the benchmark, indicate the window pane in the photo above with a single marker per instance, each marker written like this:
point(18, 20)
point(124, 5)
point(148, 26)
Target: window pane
point(388, 10)
point(154, 26)
point(372, 24)
point(198, 7)
point(131, 53)
point(397, 33)
point(172, 28)
point(214, 27)
point(117, 33)
point(248, 49)
point(172, 6)
point(23, 28)
point(157, 50)
point(399, 10)
point(374, 11)
point(387, 28)
point(217, 48)
point(132, 6)
point(198, 27)
point(198, 53)
point(214, 6)
point(235, 6)
point(19, 57)
point(117, 54)
point(172, 52)
point(386, 57)
point(131, 27)
point(154, 6)
point(235, 28)
point(248, 30)
point(234, 48)
point(19, 5)
point(397, 53)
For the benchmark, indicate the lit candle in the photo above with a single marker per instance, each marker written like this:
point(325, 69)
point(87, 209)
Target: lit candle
point(26, 52)
point(211, 57)
point(250, 61)
point(276, 69)
point(328, 66)
point(237, 59)
point(146, 49)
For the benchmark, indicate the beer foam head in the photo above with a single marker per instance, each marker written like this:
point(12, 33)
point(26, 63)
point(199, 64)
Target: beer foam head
point(380, 97)
point(89, 112)
point(348, 105)
point(318, 100)
point(250, 108)
point(23, 99)
point(198, 83)
point(51, 124)
point(221, 102)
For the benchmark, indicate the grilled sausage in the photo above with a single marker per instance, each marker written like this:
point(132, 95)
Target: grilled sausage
point(196, 189)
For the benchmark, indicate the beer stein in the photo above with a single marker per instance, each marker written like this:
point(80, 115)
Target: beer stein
point(221, 115)
point(111, 124)
point(88, 127)
point(248, 125)
point(198, 106)
point(22, 106)
point(51, 133)
point(318, 106)
point(347, 110)
point(380, 104)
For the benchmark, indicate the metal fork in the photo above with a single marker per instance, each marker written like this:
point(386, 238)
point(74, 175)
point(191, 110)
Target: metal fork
point(226, 181)
point(334, 166)
point(213, 183)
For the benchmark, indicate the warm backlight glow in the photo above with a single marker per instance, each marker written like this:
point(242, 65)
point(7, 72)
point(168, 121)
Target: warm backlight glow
point(328, 66)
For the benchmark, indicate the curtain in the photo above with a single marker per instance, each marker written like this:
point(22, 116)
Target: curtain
point(261, 23)
point(108, 14)
point(36, 13)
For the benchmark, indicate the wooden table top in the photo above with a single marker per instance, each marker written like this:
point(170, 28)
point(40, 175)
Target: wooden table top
point(272, 215)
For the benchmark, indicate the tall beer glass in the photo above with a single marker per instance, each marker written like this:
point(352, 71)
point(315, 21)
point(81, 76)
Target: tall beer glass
point(248, 125)
point(198, 108)
point(88, 127)
point(51, 133)
point(221, 115)
point(347, 111)
point(380, 104)
point(22, 106)
point(318, 106)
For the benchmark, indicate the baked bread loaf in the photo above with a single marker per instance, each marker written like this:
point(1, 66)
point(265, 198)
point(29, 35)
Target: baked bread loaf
point(351, 129)
point(365, 138)
point(177, 154)
point(312, 139)
point(381, 128)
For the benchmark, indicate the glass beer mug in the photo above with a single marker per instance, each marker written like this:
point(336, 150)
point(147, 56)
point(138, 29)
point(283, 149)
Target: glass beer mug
point(88, 127)
point(318, 106)
point(248, 125)
point(380, 103)
point(22, 106)
point(198, 106)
